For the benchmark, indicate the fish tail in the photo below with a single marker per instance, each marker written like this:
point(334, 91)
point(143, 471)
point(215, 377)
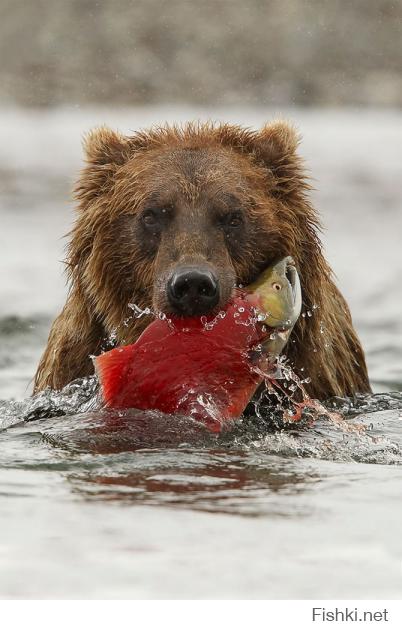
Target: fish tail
point(111, 369)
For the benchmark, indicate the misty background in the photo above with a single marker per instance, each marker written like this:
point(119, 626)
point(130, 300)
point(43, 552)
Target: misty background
point(252, 52)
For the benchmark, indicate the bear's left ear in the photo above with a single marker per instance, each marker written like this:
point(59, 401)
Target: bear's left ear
point(275, 146)
point(276, 142)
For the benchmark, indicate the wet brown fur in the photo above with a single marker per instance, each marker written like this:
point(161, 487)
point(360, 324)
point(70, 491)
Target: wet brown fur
point(199, 170)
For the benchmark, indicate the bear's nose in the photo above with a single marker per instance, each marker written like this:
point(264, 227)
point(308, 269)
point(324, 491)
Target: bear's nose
point(193, 291)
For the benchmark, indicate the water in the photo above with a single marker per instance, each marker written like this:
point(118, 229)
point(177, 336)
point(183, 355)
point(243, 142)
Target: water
point(143, 505)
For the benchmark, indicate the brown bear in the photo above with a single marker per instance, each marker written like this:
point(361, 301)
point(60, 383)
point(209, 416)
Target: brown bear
point(172, 219)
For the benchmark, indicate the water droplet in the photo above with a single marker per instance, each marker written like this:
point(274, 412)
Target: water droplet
point(138, 311)
point(112, 336)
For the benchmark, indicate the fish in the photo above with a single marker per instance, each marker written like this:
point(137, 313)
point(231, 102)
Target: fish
point(206, 367)
point(277, 293)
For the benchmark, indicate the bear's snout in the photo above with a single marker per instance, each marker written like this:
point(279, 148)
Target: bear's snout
point(193, 290)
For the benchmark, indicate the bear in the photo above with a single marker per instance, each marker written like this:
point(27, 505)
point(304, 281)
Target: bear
point(172, 219)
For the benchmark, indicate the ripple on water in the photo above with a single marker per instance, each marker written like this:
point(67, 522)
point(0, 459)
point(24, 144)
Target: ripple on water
point(71, 420)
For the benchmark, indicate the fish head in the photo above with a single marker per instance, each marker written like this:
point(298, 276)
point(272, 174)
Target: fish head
point(276, 295)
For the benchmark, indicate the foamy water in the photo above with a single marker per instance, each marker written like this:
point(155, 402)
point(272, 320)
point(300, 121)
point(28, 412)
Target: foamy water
point(146, 505)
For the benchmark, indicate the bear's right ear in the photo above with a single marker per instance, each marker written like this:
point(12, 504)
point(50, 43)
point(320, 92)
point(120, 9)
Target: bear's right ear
point(105, 151)
point(105, 146)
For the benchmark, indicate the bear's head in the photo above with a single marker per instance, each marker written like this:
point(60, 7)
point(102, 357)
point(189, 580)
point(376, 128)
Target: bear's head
point(174, 218)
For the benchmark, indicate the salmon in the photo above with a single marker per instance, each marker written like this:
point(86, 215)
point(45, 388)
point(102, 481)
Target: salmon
point(206, 367)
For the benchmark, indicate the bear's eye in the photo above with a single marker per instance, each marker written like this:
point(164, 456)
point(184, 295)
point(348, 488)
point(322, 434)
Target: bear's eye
point(156, 218)
point(235, 221)
point(149, 218)
point(232, 220)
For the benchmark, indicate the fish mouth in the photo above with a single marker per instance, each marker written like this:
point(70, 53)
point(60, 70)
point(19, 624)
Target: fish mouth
point(294, 281)
point(291, 280)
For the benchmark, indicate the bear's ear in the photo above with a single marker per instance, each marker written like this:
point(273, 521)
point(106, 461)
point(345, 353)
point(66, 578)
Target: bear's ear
point(104, 146)
point(276, 143)
point(273, 147)
point(105, 151)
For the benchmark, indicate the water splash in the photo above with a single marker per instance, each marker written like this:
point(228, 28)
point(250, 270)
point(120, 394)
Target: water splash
point(203, 409)
point(285, 392)
point(79, 396)
point(140, 312)
point(370, 430)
